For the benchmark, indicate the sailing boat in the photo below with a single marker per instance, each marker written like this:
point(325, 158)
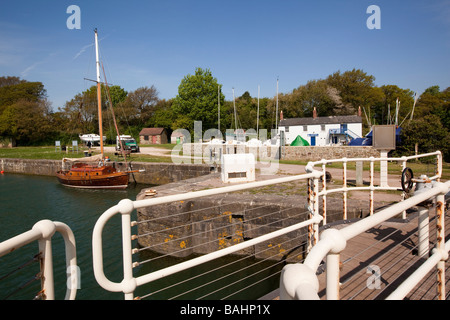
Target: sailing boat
point(93, 172)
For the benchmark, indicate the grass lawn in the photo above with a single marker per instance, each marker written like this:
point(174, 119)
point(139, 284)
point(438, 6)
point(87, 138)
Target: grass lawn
point(52, 154)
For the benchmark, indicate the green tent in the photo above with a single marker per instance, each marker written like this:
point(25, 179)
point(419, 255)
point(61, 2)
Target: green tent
point(299, 142)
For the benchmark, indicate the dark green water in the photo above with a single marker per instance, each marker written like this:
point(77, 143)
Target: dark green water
point(24, 200)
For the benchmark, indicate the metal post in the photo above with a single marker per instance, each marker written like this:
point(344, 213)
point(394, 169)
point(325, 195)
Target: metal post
point(424, 233)
point(46, 261)
point(129, 282)
point(333, 283)
point(440, 245)
point(344, 185)
point(384, 169)
point(403, 193)
point(309, 203)
point(359, 173)
point(324, 189)
point(439, 166)
point(316, 209)
point(371, 186)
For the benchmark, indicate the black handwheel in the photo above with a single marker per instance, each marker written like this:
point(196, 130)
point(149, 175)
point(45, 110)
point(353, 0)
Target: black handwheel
point(407, 177)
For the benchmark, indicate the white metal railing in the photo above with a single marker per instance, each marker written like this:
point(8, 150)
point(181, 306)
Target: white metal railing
point(125, 208)
point(43, 232)
point(129, 283)
point(299, 281)
point(383, 184)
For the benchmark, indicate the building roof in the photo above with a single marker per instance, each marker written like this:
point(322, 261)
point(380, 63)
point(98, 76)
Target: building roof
point(320, 120)
point(176, 134)
point(151, 131)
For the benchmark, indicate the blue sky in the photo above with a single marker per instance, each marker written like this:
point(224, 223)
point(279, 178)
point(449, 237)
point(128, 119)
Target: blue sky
point(245, 44)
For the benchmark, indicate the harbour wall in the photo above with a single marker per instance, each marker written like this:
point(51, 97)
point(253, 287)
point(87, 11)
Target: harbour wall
point(155, 173)
point(306, 153)
point(208, 224)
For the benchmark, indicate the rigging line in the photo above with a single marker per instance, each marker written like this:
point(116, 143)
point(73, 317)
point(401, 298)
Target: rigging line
point(348, 280)
point(24, 285)
point(427, 282)
point(383, 239)
point(256, 218)
point(369, 247)
point(395, 263)
point(192, 247)
point(400, 259)
point(216, 229)
point(187, 225)
point(114, 118)
point(253, 284)
point(223, 266)
point(275, 264)
point(210, 219)
point(27, 263)
point(228, 216)
point(205, 220)
point(244, 278)
point(181, 213)
point(386, 254)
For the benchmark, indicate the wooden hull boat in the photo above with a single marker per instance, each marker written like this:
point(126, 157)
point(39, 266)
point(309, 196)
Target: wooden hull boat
point(87, 176)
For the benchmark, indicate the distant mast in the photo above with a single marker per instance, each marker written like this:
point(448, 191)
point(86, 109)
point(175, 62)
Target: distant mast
point(276, 112)
point(235, 118)
point(218, 107)
point(257, 118)
point(99, 94)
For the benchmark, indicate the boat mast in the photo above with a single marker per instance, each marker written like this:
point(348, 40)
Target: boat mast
point(276, 112)
point(257, 118)
point(235, 118)
point(99, 95)
point(218, 107)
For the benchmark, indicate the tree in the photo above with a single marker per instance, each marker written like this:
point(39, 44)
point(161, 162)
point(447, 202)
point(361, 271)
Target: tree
point(197, 100)
point(27, 122)
point(384, 112)
point(355, 87)
point(163, 116)
point(24, 111)
point(138, 107)
point(432, 101)
point(428, 133)
point(20, 90)
point(118, 95)
point(10, 81)
point(81, 112)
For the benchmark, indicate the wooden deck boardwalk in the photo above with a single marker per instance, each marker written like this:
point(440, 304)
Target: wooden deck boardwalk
point(390, 251)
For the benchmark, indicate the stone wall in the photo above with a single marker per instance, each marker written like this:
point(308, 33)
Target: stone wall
point(155, 173)
point(308, 153)
point(205, 225)
point(332, 152)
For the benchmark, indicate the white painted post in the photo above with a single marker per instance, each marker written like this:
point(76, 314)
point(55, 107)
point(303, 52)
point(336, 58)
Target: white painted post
point(333, 277)
point(371, 199)
point(384, 169)
point(47, 281)
point(344, 185)
point(424, 233)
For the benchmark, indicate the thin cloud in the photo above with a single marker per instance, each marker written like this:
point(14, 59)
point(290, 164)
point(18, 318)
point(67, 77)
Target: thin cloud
point(83, 49)
point(27, 70)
